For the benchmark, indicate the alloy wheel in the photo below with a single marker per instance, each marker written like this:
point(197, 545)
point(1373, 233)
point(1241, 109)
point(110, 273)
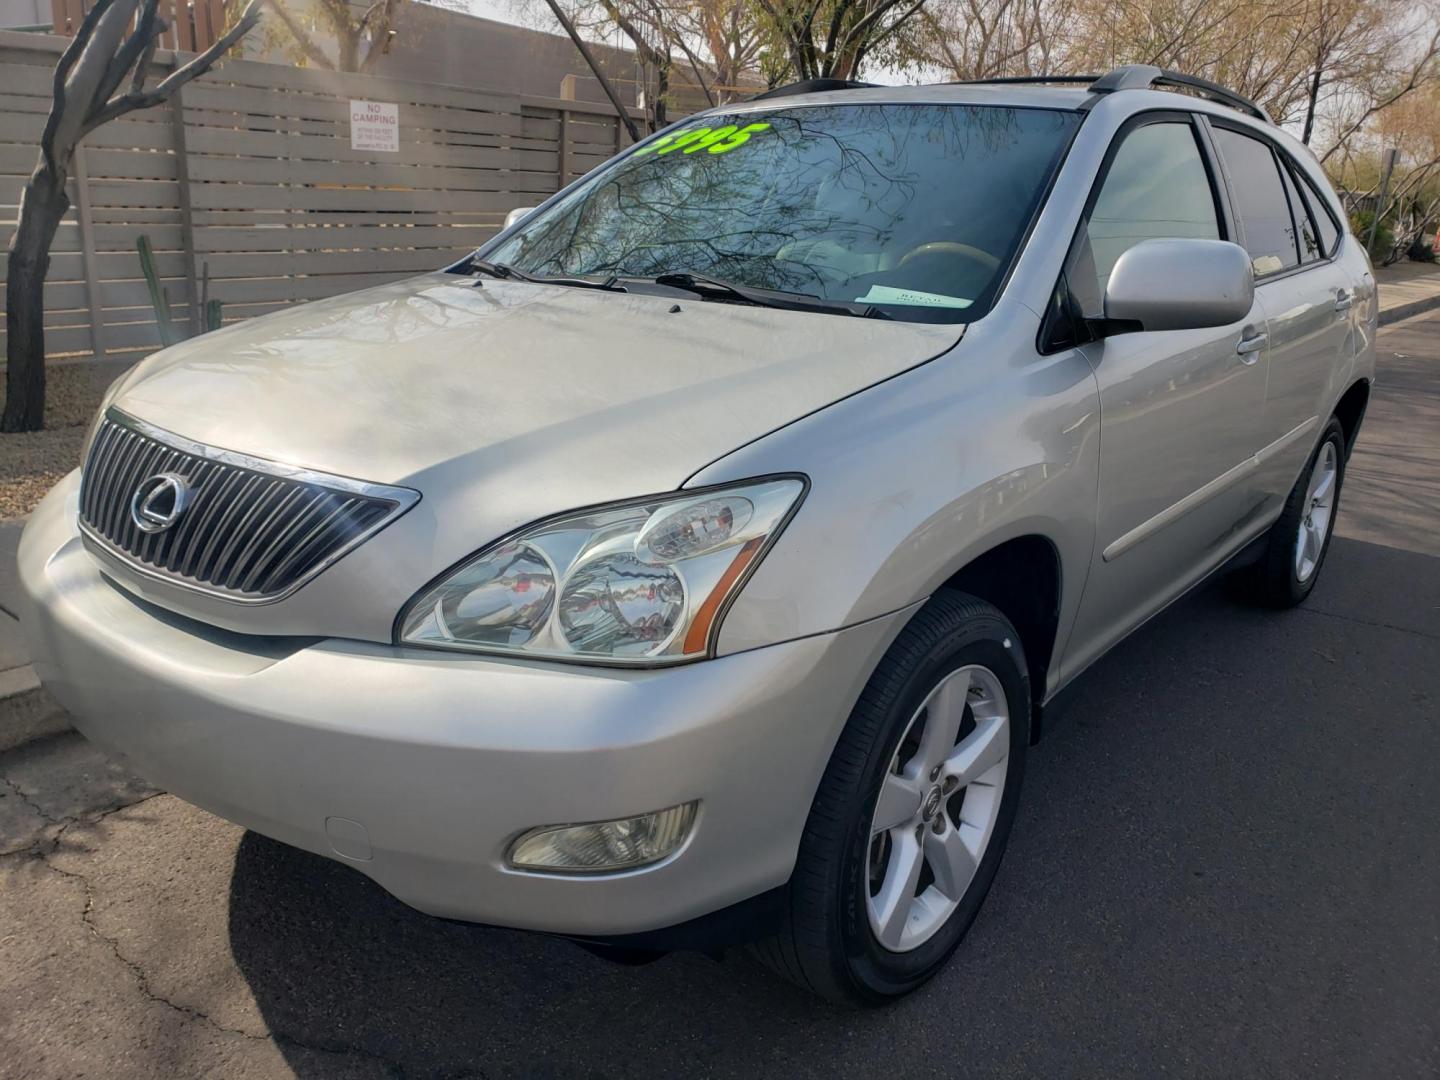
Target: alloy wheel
point(1319, 510)
point(937, 807)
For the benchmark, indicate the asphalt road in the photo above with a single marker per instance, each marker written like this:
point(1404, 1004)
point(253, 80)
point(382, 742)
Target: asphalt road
point(1225, 865)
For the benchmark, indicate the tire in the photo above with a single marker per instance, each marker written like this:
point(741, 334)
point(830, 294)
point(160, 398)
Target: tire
point(964, 652)
point(1281, 578)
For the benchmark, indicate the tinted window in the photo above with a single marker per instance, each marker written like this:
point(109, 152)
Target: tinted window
point(1310, 249)
point(1320, 212)
point(916, 209)
point(1156, 187)
point(1269, 232)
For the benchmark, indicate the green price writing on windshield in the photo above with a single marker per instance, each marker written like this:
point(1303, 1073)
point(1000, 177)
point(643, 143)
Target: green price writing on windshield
point(720, 140)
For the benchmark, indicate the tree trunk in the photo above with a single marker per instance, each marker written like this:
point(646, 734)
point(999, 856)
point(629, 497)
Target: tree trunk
point(42, 206)
point(662, 92)
point(1312, 96)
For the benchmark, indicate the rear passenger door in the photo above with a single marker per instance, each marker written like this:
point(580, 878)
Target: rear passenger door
point(1307, 295)
point(1181, 411)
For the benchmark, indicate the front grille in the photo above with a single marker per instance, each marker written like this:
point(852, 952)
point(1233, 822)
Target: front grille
point(252, 530)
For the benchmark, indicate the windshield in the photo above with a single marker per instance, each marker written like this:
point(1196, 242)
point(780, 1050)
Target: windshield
point(914, 209)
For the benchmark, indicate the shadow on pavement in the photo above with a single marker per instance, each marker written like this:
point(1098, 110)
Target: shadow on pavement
point(1224, 865)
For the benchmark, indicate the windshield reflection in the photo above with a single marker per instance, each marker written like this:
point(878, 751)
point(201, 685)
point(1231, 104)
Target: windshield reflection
point(916, 208)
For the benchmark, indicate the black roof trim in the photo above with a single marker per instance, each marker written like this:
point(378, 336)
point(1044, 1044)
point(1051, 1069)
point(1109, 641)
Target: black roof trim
point(1146, 76)
point(1027, 80)
point(812, 86)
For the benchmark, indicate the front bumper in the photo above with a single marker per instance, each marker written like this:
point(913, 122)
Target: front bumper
point(431, 763)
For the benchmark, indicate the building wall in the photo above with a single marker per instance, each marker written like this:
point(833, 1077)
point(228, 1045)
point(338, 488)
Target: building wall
point(24, 13)
point(434, 44)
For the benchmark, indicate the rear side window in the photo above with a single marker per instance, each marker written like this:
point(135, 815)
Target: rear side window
point(1320, 213)
point(1305, 231)
point(1156, 186)
point(1260, 200)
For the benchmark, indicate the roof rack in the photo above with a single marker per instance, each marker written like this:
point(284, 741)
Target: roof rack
point(1140, 77)
point(1145, 76)
point(1031, 79)
point(811, 86)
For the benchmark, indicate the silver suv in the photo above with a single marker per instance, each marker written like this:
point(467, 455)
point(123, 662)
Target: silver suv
point(696, 562)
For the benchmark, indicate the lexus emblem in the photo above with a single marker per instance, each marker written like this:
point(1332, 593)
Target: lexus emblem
point(159, 501)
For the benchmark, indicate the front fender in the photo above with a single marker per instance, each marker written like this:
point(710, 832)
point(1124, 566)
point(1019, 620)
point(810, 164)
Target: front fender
point(916, 477)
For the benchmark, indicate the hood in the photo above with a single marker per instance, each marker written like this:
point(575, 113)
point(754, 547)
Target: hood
point(400, 383)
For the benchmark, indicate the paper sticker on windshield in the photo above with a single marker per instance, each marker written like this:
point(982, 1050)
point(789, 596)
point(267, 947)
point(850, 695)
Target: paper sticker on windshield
point(718, 140)
point(884, 294)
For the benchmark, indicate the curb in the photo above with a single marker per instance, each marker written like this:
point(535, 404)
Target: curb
point(27, 711)
point(1405, 311)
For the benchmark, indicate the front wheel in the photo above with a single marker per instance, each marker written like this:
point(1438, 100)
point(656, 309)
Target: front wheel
point(913, 813)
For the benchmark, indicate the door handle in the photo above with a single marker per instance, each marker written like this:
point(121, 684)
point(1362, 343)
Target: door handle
point(1249, 347)
point(1343, 301)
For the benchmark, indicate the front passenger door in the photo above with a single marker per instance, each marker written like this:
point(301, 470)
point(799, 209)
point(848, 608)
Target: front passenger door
point(1181, 412)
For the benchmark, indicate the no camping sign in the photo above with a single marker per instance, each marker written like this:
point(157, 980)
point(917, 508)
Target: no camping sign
point(375, 125)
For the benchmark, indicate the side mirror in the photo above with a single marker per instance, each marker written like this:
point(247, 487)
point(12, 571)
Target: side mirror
point(515, 215)
point(1179, 285)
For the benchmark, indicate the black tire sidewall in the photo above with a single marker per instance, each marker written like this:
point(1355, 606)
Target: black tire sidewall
point(876, 972)
point(1283, 552)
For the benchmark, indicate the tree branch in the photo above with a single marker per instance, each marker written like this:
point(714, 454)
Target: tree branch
point(142, 67)
point(119, 106)
point(302, 36)
point(1419, 76)
point(130, 51)
point(62, 73)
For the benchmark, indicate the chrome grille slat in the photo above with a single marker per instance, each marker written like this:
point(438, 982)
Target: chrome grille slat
point(126, 447)
point(253, 530)
point(297, 550)
point(279, 537)
point(129, 446)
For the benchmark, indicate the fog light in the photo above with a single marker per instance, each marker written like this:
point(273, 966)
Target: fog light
point(604, 846)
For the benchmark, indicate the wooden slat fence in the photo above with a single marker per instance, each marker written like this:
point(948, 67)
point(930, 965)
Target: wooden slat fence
point(249, 180)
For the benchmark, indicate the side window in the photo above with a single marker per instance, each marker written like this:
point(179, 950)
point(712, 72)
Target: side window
point(1320, 211)
point(1305, 231)
point(1156, 186)
point(1269, 231)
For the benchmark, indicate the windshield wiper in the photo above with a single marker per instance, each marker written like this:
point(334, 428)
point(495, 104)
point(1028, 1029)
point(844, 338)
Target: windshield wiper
point(506, 272)
point(704, 286)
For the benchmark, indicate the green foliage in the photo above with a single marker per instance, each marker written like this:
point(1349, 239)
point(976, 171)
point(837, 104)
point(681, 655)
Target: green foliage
point(1360, 222)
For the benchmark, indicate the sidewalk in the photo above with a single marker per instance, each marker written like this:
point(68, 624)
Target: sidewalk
point(27, 712)
point(1407, 289)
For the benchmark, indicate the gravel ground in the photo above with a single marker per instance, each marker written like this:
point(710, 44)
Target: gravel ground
point(31, 464)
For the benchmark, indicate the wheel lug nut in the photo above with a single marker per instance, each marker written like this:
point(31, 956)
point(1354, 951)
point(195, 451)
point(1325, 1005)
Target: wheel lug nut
point(935, 772)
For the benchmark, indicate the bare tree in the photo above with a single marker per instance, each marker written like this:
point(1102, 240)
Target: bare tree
point(358, 40)
point(100, 76)
point(986, 39)
point(1411, 126)
point(833, 38)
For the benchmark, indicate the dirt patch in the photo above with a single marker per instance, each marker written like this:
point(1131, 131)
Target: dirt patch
point(30, 465)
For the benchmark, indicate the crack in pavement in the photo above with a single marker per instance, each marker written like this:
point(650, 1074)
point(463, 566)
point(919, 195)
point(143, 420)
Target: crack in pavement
point(25, 799)
point(44, 849)
point(1369, 622)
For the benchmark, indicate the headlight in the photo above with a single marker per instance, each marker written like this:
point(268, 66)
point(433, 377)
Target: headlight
point(642, 583)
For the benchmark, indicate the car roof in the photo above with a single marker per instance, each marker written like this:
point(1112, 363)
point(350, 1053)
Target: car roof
point(1009, 94)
